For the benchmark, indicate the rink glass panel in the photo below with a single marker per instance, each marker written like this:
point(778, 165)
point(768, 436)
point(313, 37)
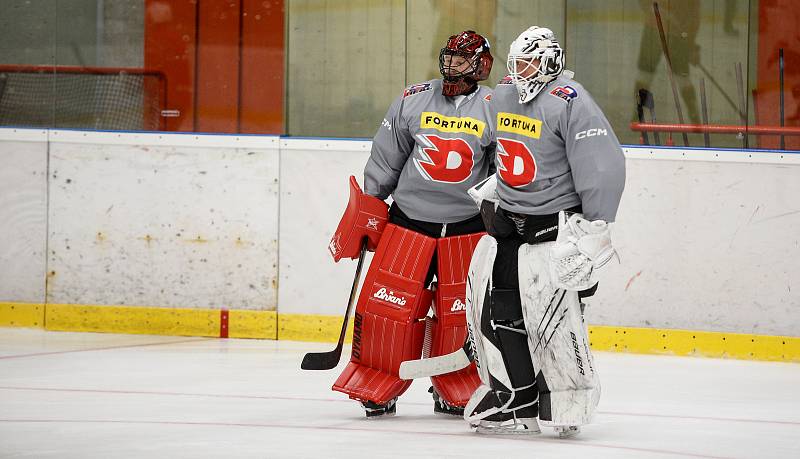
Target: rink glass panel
point(615, 49)
point(331, 68)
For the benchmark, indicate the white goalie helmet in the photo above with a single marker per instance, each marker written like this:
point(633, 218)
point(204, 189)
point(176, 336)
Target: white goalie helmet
point(536, 43)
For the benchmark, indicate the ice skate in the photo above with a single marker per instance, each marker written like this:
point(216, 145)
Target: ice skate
point(567, 431)
point(519, 422)
point(442, 407)
point(375, 410)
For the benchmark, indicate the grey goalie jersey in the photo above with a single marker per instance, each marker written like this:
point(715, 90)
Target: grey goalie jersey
point(556, 152)
point(429, 150)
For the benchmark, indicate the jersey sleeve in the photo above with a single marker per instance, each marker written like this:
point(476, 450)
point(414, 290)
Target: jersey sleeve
point(595, 157)
point(391, 148)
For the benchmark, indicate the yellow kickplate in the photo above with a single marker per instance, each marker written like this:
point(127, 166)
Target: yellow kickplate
point(133, 319)
point(311, 327)
point(321, 328)
point(253, 324)
point(29, 315)
point(695, 343)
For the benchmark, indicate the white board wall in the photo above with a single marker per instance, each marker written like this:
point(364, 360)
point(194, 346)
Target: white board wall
point(314, 193)
point(155, 220)
point(23, 215)
point(707, 244)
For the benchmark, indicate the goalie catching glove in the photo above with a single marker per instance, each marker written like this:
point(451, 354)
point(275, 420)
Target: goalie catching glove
point(581, 248)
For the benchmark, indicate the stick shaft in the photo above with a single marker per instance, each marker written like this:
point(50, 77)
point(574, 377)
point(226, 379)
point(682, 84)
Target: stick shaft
point(672, 82)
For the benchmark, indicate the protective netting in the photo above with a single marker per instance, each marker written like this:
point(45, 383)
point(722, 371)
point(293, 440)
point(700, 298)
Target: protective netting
point(114, 99)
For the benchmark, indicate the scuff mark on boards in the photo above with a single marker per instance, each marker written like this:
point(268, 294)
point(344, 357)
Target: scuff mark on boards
point(630, 281)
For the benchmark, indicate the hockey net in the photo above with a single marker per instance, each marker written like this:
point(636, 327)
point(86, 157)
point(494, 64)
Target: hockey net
point(82, 97)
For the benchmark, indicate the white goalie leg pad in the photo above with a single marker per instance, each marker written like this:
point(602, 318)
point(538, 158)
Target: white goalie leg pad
point(569, 388)
point(488, 358)
point(581, 248)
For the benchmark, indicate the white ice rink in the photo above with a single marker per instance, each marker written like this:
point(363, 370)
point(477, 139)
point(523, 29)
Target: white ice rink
point(73, 395)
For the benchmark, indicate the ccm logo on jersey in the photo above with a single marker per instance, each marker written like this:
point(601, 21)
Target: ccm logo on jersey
point(467, 125)
point(565, 92)
point(389, 297)
point(518, 124)
point(590, 133)
point(458, 306)
point(386, 124)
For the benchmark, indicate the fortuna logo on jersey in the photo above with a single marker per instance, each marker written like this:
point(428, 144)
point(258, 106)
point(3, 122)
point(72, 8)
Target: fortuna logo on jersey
point(389, 297)
point(444, 160)
point(467, 125)
point(458, 306)
point(518, 124)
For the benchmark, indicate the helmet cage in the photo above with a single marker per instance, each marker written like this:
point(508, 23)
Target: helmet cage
point(551, 64)
point(448, 70)
point(474, 48)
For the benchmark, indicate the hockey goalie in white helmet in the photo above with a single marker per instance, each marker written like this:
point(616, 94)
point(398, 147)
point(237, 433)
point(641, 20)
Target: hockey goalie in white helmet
point(534, 59)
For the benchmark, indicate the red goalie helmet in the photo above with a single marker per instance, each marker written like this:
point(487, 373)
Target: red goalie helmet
point(464, 61)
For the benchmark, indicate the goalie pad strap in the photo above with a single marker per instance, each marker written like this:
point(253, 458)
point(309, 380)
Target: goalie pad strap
point(388, 328)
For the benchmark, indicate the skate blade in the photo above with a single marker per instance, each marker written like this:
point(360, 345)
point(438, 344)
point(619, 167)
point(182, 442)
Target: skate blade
point(506, 430)
point(568, 432)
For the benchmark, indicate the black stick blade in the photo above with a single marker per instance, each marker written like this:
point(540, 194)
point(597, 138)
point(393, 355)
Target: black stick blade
point(321, 360)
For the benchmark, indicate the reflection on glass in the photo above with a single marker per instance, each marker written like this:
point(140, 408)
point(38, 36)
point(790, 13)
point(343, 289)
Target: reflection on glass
point(329, 68)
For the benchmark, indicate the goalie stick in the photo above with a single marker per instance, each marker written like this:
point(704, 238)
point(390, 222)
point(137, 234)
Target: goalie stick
point(434, 366)
point(461, 358)
point(328, 360)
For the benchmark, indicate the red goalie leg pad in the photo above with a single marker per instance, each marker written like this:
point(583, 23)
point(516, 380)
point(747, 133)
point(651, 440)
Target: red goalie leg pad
point(450, 326)
point(388, 329)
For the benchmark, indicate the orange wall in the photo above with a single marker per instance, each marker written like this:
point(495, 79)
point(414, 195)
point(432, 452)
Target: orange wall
point(223, 63)
point(778, 28)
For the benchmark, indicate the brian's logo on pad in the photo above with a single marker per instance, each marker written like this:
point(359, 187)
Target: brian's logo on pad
point(389, 297)
point(458, 306)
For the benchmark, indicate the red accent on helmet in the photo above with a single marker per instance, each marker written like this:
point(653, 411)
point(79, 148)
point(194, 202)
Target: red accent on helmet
point(472, 46)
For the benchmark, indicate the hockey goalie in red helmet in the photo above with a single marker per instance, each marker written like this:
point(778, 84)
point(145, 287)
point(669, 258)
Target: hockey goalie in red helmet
point(463, 62)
